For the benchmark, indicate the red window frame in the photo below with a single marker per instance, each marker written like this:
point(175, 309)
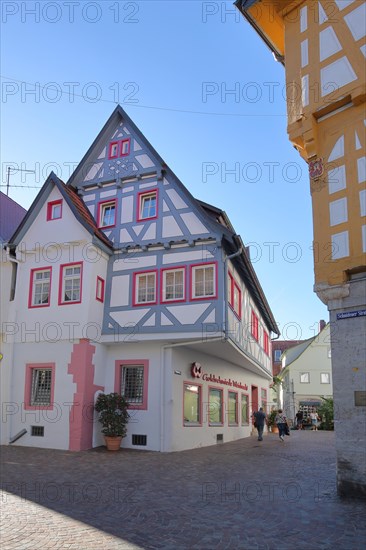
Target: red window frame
point(162, 290)
point(50, 206)
point(241, 409)
point(192, 281)
point(61, 284)
point(29, 368)
point(236, 423)
point(111, 145)
point(140, 197)
point(234, 286)
point(135, 288)
point(119, 364)
point(100, 211)
point(221, 421)
point(255, 326)
point(193, 424)
point(31, 282)
point(99, 290)
point(266, 342)
point(264, 399)
point(128, 141)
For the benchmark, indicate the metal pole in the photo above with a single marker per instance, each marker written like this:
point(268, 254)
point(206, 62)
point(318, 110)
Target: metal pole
point(7, 182)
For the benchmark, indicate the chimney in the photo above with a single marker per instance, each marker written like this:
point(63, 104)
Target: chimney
point(322, 324)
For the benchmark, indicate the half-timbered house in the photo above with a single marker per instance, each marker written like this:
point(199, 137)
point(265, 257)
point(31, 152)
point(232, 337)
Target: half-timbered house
point(125, 282)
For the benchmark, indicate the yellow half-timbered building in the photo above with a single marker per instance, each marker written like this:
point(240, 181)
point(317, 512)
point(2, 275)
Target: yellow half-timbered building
point(322, 46)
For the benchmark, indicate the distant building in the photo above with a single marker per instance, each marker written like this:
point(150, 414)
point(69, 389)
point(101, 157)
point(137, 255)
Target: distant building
point(11, 214)
point(306, 375)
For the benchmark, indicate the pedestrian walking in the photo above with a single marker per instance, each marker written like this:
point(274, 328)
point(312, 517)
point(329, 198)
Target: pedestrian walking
point(299, 420)
point(259, 419)
point(281, 422)
point(314, 420)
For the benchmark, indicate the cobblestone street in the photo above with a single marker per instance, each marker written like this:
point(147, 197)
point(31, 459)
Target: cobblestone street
point(240, 495)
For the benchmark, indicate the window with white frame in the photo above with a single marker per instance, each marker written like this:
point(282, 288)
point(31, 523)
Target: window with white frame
point(70, 283)
point(325, 378)
point(147, 207)
point(113, 150)
point(107, 214)
point(192, 404)
point(277, 355)
point(40, 287)
point(145, 288)
point(203, 281)
point(304, 378)
point(41, 387)
point(132, 383)
point(173, 284)
point(125, 147)
point(54, 210)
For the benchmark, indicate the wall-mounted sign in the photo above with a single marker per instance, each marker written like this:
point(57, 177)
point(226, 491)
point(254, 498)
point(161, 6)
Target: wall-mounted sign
point(197, 372)
point(351, 314)
point(226, 381)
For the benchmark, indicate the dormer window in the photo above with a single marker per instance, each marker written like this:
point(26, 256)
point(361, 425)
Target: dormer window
point(54, 210)
point(107, 214)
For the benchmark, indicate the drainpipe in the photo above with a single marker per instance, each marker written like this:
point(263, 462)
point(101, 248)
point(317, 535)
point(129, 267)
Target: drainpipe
point(10, 359)
point(237, 253)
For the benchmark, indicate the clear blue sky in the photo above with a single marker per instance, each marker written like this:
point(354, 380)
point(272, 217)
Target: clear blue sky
point(172, 66)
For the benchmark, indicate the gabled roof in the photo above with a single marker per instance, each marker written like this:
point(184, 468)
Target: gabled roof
point(216, 218)
point(113, 120)
point(293, 353)
point(11, 214)
point(76, 205)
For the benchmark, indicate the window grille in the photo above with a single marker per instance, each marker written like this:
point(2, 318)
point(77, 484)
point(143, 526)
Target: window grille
point(139, 439)
point(37, 431)
point(41, 387)
point(133, 383)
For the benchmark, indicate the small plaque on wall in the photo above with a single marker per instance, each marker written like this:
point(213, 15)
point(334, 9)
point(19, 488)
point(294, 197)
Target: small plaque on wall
point(360, 398)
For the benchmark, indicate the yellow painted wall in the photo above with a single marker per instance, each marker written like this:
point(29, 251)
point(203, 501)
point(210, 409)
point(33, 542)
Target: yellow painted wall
point(324, 50)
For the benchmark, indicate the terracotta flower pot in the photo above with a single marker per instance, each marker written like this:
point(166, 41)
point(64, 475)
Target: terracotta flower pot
point(113, 443)
point(274, 429)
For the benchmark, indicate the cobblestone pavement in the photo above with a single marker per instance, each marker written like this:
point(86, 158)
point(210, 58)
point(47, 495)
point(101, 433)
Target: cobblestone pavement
point(245, 495)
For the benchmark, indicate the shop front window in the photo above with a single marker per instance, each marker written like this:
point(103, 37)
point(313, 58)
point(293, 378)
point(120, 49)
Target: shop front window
point(215, 406)
point(192, 404)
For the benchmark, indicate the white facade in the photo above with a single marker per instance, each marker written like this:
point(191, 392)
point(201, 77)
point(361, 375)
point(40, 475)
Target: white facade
point(131, 285)
point(307, 374)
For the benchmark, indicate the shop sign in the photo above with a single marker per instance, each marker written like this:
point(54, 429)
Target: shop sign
point(197, 372)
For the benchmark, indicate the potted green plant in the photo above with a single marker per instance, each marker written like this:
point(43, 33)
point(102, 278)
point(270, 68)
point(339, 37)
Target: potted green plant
point(271, 421)
point(114, 416)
